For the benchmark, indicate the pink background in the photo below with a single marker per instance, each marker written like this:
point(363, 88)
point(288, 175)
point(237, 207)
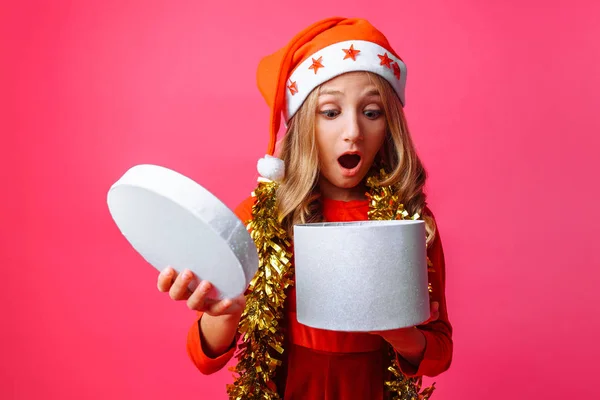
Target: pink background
point(503, 103)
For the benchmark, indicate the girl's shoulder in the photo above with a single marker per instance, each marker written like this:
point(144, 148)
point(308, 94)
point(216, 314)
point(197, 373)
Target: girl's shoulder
point(244, 210)
point(427, 212)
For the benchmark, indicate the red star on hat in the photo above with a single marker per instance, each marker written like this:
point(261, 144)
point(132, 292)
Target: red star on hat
point(385, 60)
point(293, 88)
point(316, 64)
point(351, 53)
point(396, 69)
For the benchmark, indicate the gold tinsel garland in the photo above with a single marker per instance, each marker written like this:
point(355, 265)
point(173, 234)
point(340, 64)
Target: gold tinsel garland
point(260, 325)
point(262, 338)
point(384, 204)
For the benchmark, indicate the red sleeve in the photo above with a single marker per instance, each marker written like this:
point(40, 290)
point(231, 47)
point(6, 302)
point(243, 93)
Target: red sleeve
point(205, 364)
point(244, 210)
point(438, 350)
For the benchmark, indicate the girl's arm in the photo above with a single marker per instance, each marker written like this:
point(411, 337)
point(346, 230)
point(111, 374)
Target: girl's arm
point(426, 350)
point(436, 356)
point(218, 333)
point(211, 340)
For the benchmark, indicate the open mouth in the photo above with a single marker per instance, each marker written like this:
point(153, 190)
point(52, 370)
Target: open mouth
point(349, 161)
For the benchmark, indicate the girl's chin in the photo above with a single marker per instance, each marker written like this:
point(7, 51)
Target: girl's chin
point(344, 178)
point(349, 184)
point(344, 183)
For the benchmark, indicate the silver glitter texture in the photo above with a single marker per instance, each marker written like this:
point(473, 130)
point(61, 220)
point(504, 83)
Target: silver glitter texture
point(361, 276)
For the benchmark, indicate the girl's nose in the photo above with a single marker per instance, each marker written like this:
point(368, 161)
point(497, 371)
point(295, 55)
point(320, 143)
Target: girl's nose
point(352, 130)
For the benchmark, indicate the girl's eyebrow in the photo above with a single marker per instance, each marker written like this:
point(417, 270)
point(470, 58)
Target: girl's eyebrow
point(372, 92)
point(331, 92)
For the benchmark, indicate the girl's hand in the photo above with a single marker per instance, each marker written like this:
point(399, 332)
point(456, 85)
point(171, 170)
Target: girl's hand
point(434, 308)
point(410, 341)
point(177, 287)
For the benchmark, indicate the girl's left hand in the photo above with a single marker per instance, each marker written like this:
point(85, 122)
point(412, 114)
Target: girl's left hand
point(409, 338)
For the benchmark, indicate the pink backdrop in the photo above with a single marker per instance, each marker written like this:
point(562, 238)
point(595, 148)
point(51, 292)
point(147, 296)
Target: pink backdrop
point(503, 102)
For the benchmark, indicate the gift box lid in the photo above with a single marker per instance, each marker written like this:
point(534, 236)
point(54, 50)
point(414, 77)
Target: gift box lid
point(170, 220)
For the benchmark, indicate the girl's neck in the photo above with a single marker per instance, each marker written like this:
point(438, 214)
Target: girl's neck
point(332, 192)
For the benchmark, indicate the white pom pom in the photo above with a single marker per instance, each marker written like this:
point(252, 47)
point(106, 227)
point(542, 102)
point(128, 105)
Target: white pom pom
point(271, 168)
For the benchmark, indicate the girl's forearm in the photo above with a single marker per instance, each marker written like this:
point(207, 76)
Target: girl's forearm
point(411, 346)
point(218, 333)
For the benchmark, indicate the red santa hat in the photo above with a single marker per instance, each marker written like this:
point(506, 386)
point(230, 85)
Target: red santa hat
point(320, 52)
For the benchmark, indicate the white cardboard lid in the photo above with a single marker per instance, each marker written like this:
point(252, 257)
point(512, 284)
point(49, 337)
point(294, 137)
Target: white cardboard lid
point(170, 220)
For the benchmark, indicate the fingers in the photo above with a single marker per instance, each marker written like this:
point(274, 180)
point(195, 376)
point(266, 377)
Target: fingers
point(393, 334)
point(165, 279)
point(435, 313)
point(197, 300)
point(435, 307)
point(226, 306)
point(180, 287)
point(220, 308)
point(179, 290)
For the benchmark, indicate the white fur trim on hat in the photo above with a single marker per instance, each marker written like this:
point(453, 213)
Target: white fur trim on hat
point(272, 168)
point(334, 61)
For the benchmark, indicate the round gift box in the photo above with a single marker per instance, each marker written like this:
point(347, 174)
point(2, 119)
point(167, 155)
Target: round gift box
point(361, 276)
point(170, 220)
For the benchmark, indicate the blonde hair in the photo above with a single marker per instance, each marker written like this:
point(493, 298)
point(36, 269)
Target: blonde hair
point(298, 196)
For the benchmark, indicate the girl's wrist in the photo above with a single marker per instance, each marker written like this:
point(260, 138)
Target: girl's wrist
point(411, 346)
point(218, 333)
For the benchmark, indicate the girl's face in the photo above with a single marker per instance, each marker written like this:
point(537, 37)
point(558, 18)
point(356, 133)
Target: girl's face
point(350, 129)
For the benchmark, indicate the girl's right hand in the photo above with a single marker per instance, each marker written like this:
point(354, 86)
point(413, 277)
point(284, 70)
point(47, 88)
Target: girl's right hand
point(177, 287)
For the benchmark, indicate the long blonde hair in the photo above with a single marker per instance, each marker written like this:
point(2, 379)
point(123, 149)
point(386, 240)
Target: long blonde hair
point(298, 196)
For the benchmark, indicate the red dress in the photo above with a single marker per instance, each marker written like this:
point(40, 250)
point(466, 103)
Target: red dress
point(329, 365)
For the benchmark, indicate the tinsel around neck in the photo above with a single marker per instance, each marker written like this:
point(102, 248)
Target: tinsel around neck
point(262, 336)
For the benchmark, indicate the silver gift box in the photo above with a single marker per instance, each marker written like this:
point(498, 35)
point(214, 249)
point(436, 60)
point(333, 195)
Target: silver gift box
point(361, 276)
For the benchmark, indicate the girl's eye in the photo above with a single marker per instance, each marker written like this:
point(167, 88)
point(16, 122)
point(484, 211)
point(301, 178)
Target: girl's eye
point(372, 114)
point(330, 113)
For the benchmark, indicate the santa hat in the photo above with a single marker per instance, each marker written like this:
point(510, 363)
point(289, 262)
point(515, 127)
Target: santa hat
point(320, 52)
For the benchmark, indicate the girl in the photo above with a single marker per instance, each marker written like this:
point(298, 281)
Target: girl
point(347, 155)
